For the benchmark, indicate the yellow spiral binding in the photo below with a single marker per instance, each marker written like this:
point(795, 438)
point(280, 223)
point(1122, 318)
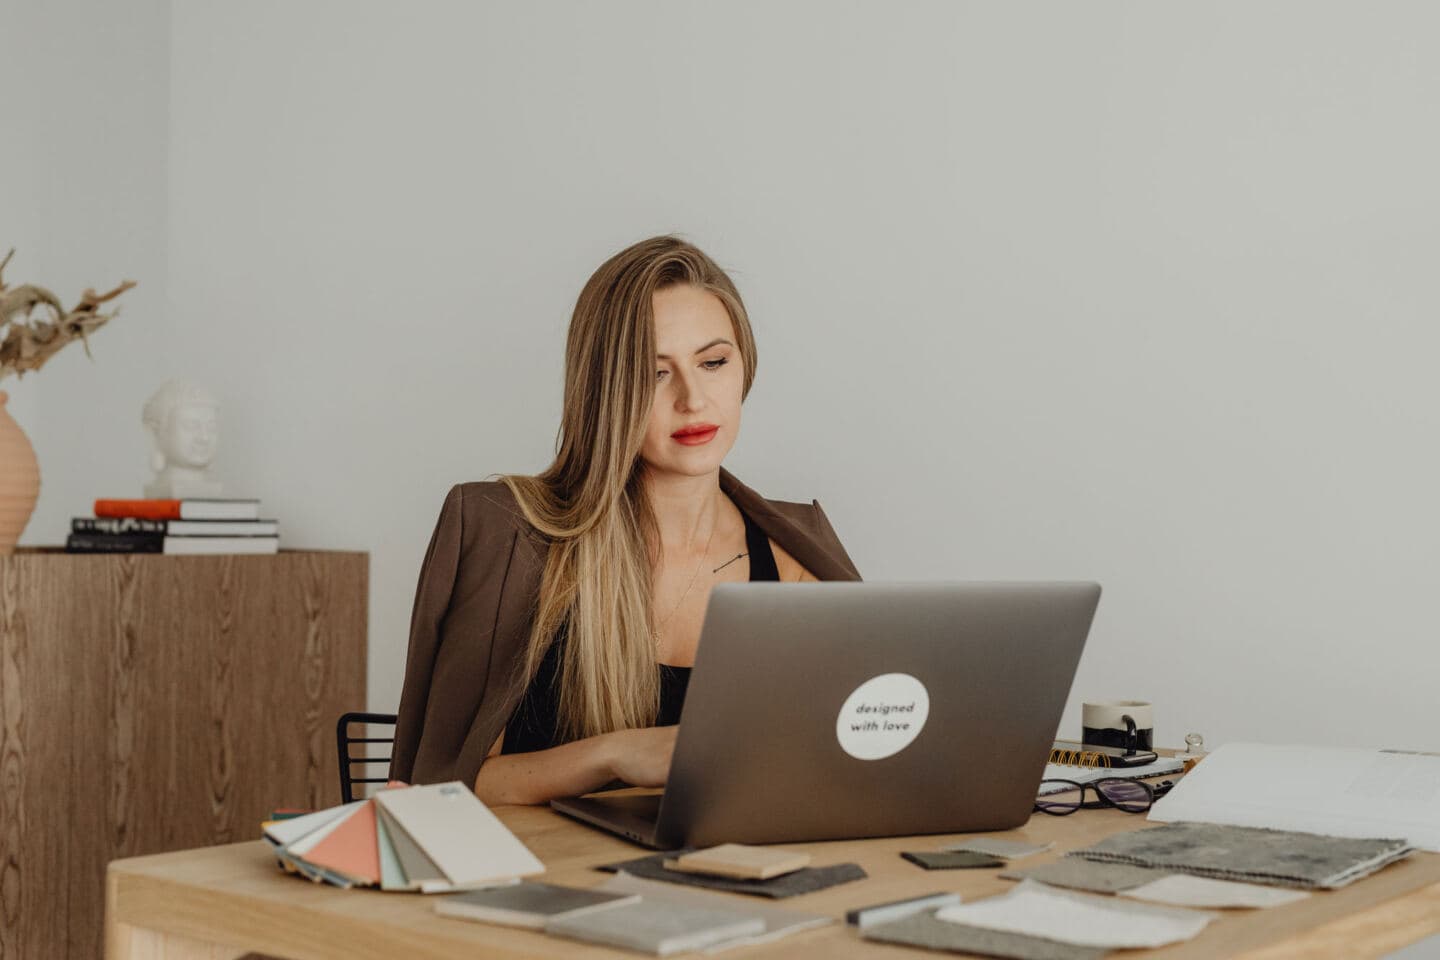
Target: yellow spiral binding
point(1078, 758)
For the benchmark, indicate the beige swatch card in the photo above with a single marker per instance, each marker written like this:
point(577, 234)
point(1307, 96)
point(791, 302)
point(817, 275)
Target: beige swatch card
point(740, 861)
point(458, 834)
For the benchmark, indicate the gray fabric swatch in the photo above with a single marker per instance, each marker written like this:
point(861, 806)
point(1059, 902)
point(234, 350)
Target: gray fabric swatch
point(1281, 857)
point(924, 930)
point(952, 859)
point(807, 880)
point(1096, 877)
point(1000, 847)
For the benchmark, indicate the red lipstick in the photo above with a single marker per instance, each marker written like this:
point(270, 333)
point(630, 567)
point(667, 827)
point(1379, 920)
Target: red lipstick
point(695, 434)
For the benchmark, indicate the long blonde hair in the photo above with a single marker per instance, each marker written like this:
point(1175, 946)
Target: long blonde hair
point(590, 502)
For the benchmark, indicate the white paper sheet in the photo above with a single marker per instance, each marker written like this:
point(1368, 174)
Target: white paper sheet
point(1182, 890)
point(1338, 791)
point(1039, 910)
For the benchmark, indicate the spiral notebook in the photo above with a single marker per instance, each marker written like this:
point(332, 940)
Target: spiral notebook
point(1094, 755)
point(1087, 766)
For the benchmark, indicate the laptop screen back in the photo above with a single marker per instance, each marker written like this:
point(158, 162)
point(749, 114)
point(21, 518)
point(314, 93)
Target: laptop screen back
point(840, 710)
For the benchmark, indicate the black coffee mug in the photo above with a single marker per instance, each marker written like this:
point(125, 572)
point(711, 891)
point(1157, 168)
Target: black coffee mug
point(1128, 725)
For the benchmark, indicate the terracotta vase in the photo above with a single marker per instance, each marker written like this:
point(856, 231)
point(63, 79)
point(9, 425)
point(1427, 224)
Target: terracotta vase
point(19, 479)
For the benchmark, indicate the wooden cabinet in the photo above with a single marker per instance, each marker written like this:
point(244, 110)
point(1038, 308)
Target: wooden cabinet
point(151, 703)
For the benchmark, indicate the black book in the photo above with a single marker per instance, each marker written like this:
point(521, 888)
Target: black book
point(176, 528)
point(116, 525)
point(115, 543)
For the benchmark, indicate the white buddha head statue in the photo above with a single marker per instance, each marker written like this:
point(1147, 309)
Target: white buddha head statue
point(183, 421)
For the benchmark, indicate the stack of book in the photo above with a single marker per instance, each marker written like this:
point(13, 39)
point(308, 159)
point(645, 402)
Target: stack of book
point(174, 526)
point(433, 838)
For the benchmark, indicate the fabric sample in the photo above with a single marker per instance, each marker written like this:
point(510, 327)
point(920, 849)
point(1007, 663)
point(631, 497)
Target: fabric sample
point(924, 930)
point(1278, 857)
point(1076, 874)
point(1000, 847)
point(1038, 910)
point(952, 859)
point(791, 884)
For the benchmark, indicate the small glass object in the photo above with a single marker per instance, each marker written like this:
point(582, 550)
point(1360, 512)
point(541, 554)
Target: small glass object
point(1194, 745)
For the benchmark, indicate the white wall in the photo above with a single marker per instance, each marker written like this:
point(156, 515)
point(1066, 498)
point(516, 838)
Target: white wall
point(1134, 292)
point(82, 202)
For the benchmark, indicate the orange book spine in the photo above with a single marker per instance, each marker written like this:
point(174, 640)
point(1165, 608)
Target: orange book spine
point(144, 509)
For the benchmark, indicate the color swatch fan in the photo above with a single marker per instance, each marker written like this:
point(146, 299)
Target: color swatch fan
point(435, 838)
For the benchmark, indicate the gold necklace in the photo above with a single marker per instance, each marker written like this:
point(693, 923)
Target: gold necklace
point(662, 623)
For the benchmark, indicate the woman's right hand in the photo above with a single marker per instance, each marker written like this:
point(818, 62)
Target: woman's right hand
point(642, 757)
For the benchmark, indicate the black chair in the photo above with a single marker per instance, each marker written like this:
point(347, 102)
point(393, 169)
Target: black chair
point(348, 779)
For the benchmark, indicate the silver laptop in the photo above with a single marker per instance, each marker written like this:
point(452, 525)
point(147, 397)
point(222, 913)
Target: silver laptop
point(841, 710)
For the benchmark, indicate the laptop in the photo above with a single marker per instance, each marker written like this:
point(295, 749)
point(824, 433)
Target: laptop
point(846, 709)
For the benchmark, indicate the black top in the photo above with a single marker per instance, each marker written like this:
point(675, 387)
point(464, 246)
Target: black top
point(532, 725)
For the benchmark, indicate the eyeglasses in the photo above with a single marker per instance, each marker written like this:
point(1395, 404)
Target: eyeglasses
point(1131, 796)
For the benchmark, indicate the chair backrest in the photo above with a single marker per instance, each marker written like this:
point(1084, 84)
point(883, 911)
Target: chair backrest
point(353, 768)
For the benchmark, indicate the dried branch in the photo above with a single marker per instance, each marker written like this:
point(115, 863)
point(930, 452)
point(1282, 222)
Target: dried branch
point(28, 342)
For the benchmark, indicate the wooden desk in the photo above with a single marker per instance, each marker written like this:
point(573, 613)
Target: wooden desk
point(221, 902)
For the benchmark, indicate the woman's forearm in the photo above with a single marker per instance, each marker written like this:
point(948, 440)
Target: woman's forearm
point(568, 770)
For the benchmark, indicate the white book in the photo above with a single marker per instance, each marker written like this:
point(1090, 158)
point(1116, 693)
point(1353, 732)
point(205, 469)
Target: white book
point(222, 528)
point(213, 545)
point(459, 834)
point(199, 508)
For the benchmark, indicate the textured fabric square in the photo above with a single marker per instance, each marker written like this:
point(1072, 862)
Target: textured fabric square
point(1096, 877)
point(1000, 847)
point(1279, 857)
point(952, 859)
point(807, 880)
point(924, 930)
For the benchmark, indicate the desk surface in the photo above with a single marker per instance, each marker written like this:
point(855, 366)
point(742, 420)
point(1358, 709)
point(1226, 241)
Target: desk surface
point(221, 902)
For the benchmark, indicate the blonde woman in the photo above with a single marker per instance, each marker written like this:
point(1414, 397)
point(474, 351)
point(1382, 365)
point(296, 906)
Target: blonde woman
point(557, 616)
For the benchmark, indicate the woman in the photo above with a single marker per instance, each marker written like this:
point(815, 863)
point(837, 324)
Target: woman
point(557, 616)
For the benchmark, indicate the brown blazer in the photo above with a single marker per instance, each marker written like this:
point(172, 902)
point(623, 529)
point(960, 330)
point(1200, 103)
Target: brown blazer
point(477, 596)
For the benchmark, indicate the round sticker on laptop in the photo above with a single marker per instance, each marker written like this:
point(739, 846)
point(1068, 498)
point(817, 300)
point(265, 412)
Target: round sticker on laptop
point(883, 716)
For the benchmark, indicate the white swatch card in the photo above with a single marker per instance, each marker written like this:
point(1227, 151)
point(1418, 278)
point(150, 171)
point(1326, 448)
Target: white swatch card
point(1183, 890)
point(1038, 910)
point(458, 833)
